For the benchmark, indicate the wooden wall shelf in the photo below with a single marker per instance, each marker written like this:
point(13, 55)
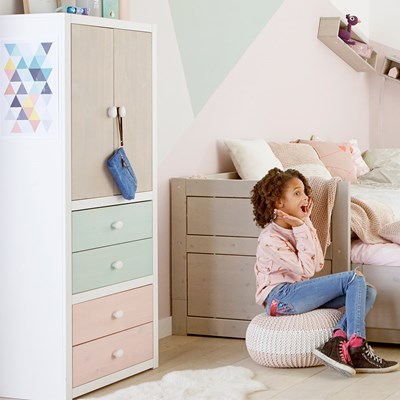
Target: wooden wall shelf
point(387, 69)
point(328, 33)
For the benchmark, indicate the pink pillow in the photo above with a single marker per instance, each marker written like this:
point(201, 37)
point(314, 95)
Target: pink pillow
point(359, 164)
point(336, 158)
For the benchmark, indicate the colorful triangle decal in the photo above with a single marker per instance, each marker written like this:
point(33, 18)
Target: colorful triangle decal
point(22, 115)
point(35, 124)
point(46, 47)
point(15, 102)
point(28, 111)
point(46, 72)
point(10, 47)
point(34, 116)
point(27, 102)
point(16, 77)
point(16, 128)
point(22, 64)
point(46, 89)
point(11, 115)
point(10, 65)
point(22, 89)
point(9, 89)
point(47, 125)
point(34, 64)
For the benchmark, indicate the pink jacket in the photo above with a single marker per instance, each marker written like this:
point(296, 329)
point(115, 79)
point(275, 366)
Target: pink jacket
point(286, 256)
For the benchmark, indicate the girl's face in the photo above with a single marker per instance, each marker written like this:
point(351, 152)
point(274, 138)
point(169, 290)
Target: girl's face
point(294, 201)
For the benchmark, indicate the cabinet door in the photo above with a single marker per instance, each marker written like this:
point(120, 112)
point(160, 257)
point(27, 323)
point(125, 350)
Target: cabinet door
point(133, 89)
point(92, 94)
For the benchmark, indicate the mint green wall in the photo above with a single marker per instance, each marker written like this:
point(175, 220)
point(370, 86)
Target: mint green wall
point(212, 36)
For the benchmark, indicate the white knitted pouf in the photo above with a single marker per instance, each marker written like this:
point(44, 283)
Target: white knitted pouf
point(287, 341)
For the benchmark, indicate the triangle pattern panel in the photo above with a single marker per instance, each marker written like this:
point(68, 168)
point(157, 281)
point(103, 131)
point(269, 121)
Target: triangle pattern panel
point(212, 36)
point(26, 87)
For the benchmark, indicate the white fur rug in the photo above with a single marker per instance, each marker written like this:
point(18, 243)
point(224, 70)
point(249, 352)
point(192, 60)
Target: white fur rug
point(224, 383)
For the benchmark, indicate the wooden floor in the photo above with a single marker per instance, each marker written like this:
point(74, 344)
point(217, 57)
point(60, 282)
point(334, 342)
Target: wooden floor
point(194, 352)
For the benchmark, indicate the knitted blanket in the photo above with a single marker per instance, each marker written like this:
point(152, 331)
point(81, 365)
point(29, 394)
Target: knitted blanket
point(368, 218)
point(323, 193)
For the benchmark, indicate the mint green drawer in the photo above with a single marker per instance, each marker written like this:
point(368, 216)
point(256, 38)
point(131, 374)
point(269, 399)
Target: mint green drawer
point(106, 226)
point(96, 268)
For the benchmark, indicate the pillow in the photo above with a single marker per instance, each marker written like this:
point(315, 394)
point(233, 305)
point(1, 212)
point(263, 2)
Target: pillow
point(387, 175)
point(391, 232)
point(336, 158)
point(359, 163)
point(382, 157)
point(252, 158)
point(301, 157)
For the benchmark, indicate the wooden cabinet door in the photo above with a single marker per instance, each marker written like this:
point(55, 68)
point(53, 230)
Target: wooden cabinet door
point(92, 94)
point(133, 89)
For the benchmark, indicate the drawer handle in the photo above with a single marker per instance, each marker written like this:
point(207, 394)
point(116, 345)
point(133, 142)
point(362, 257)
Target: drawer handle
point(117, 264)
point(118, 353)
point(117, 314)
point(117, 225)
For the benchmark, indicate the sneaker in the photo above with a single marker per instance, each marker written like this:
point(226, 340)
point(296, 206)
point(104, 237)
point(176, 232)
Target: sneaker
point(365, 360)
point(334, 354)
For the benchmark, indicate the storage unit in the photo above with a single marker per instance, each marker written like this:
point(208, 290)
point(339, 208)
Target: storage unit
point(328, 33)
point(213, 247)
point(79, 288)
point(391, 69)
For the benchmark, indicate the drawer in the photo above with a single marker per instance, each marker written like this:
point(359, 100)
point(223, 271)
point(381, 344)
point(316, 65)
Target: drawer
point(221, 286)
point(105, 266)
point(220, 217)
point(106, 226)
point(102, 357)
point(106, 315)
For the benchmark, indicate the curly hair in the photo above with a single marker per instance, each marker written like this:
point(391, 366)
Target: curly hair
point(269, 190)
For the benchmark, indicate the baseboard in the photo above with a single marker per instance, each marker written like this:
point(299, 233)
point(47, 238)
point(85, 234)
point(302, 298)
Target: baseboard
point(164, 327)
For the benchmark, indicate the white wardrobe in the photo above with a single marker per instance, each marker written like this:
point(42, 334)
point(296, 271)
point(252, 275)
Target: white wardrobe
point(78, 286)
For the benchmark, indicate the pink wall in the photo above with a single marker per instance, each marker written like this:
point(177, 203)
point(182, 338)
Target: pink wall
point(288, 85)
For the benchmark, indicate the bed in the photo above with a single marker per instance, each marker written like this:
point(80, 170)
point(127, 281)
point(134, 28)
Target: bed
point(213, 242)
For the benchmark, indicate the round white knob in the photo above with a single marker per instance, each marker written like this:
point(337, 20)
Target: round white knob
point(122, 111)
point(118, 353)
point(112, 112)
point(117, 264)
point(117, 225)
point(117, 314)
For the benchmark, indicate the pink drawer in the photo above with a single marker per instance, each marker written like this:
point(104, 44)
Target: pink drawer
point(110, 314)
point(110, 354)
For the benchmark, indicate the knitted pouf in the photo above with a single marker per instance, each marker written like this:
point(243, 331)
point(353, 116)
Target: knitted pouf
point(287, 341)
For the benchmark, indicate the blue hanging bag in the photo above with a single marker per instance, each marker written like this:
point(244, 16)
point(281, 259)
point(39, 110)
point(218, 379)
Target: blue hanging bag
point(121, 169)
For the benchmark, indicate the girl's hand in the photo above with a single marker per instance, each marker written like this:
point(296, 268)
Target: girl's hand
point(309, 207)
point(288, 219)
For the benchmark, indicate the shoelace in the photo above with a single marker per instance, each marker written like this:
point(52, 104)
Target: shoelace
point(370, 353)
point(344, 352)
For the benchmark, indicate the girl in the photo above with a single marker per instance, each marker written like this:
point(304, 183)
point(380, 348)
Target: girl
point(289, 254)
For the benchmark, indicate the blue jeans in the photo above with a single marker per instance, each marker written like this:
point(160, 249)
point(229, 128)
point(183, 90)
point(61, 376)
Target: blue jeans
point(331, 291)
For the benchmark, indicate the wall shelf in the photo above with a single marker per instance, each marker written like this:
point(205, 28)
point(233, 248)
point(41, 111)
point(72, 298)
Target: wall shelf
point(328, 33)
point(388, 65)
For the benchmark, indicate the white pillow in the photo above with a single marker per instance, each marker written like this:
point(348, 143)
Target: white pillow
point(359, 163)
point(252, 158)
